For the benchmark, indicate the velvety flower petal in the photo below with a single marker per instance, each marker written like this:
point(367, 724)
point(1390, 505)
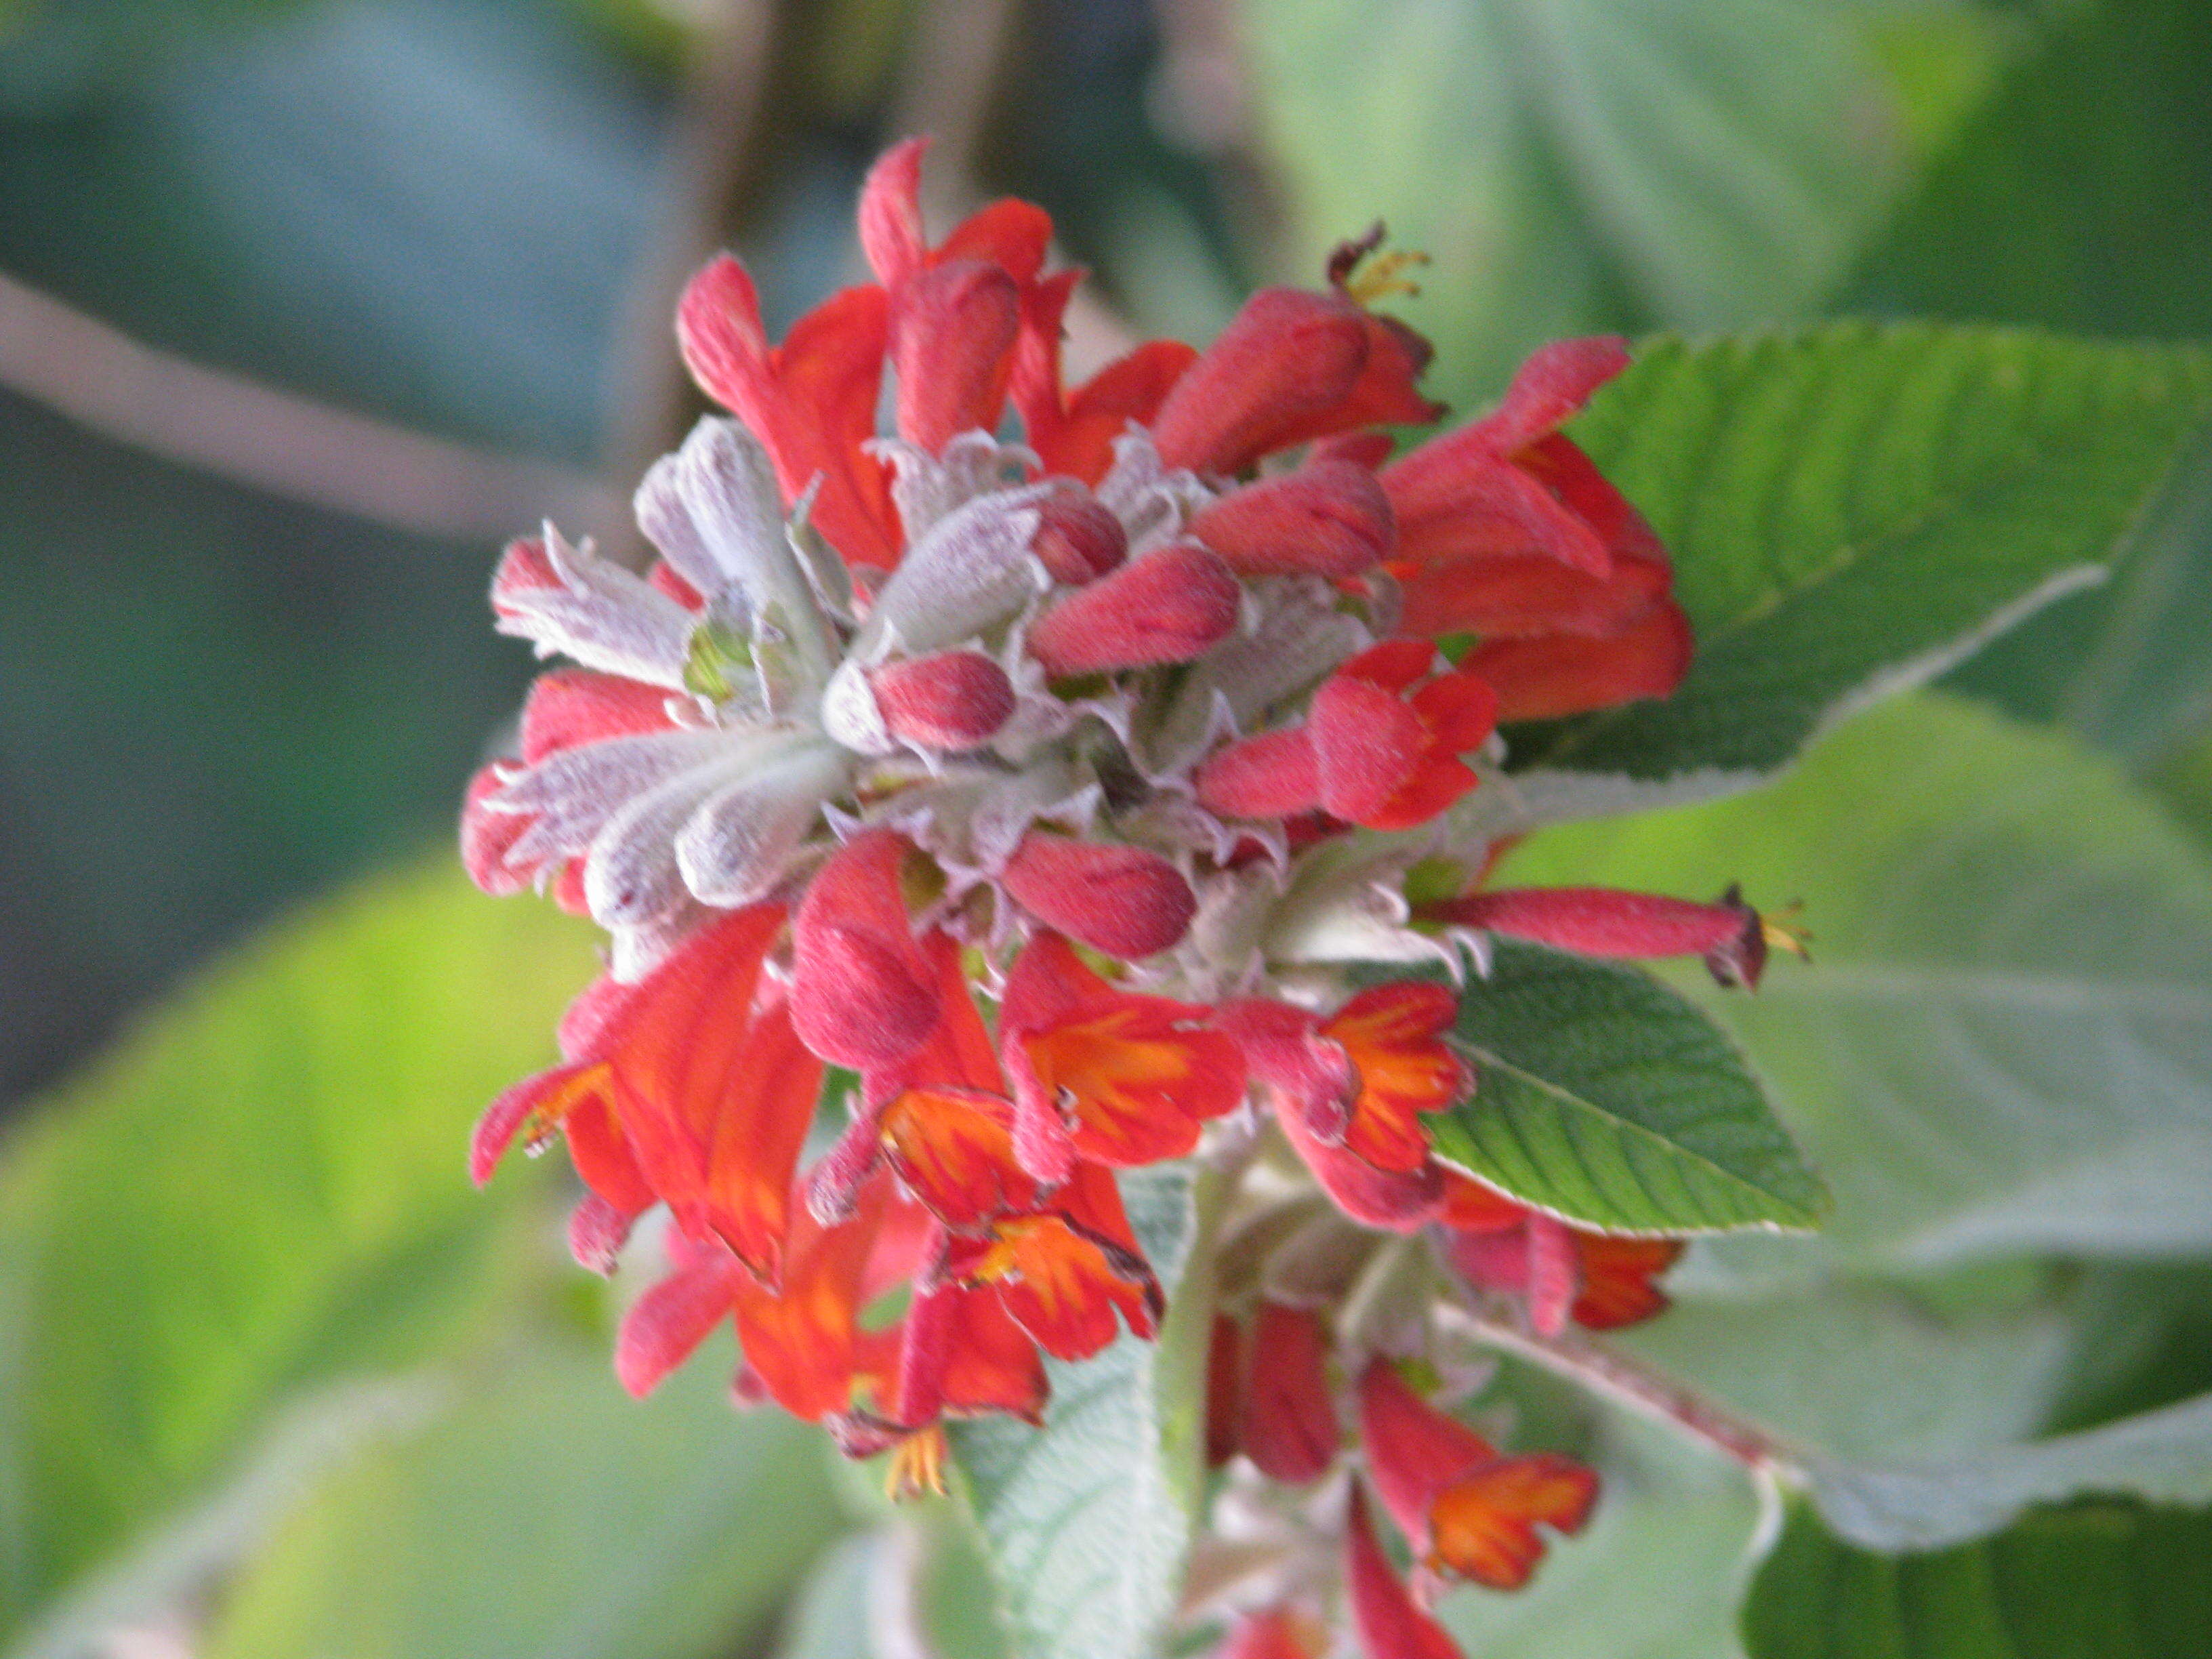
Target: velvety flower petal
point(1539, 679)
point(1166, 607)
point(1290, 1426)
point(1125, 901)
point(861, 995)
point(1327, 519)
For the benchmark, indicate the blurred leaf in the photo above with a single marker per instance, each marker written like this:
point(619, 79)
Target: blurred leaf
point(553, 1516)
point(1087, 1519)
point(52, 51)
point(920, 1581)
point(1852, 509)
point(2093, 1581)
point(261, 1193)
point(828, 1618)
point(2165, 1455)
point(1602, 1095)
point(1657, 1575)
point(2081, 198)
point(2004, 1043)
point(1579, 164)
point(1863, 1371)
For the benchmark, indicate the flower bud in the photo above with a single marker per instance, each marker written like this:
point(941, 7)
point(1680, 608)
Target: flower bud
point(861, 991)
point(1329, 518)
point(1124, 901)
point(1270, 776)
point(953, 700)
point(1166, 607)
point(1078, 538)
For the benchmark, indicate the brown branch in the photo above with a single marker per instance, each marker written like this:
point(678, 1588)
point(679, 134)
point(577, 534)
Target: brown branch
point(278, 442)
point(1609, 1372)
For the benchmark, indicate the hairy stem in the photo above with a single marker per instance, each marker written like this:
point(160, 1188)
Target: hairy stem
point(1608, 1371)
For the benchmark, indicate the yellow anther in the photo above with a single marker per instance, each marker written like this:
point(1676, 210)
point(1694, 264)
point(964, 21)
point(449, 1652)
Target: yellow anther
point(1383, 276)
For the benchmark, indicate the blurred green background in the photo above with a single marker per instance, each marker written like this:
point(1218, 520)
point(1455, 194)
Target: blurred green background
point(309, 303)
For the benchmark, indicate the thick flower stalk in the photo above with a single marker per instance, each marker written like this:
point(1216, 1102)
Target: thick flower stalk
point(1019, 804)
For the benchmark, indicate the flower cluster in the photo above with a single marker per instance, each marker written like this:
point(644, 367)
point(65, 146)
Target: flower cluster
point(1029, 799)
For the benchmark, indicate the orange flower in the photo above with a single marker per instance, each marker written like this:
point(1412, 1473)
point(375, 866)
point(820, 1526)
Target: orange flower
point(1465, 1508)
point(1064, 1273)
point(1104, 1074)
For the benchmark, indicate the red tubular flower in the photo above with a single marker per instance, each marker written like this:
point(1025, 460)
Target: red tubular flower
point(1273, 775)
point(1465, 1508)
point(663, 1326)
point(1275, 1633)
point(1073, 432)
point(1563, 674)
point(1388, 760)
point(1330, 517)
point(1361, 1080)
point(1602, 922)
point(954, 309)
point(1490, 487)
point(1600, 1281)
point(861, 995)
point(1287, 358)
point(811, 400)
point(1077, 540)
point(1367, 752)
point(1225, 1391)
point(1393, 1035)
point(950, 700)
point(1390, 1626)
point(803, 1343)
point(688, 1087)
point(1065, 1272)
point(1529, 595)
point(940, 1116)
point(1166, 607)
point(962, 1355)
point(952, 342)
point(1290, 1427)
point(1124, 901)
point(1117, 1079)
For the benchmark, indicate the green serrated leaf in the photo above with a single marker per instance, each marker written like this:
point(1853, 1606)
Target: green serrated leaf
point(1606, 1098)
point(2003, 1045)
point(1087, 1520)
point(262, 1192)
point(1852, 509)
point(2091, 1581)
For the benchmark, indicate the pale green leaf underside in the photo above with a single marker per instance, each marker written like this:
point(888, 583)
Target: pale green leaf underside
point(2003, 1044)
point(2164, 1456)
point(551, 1515)
point(1605, 1097)
point(1088, 1519)
point(1853, 508)
point(2092, 1581)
